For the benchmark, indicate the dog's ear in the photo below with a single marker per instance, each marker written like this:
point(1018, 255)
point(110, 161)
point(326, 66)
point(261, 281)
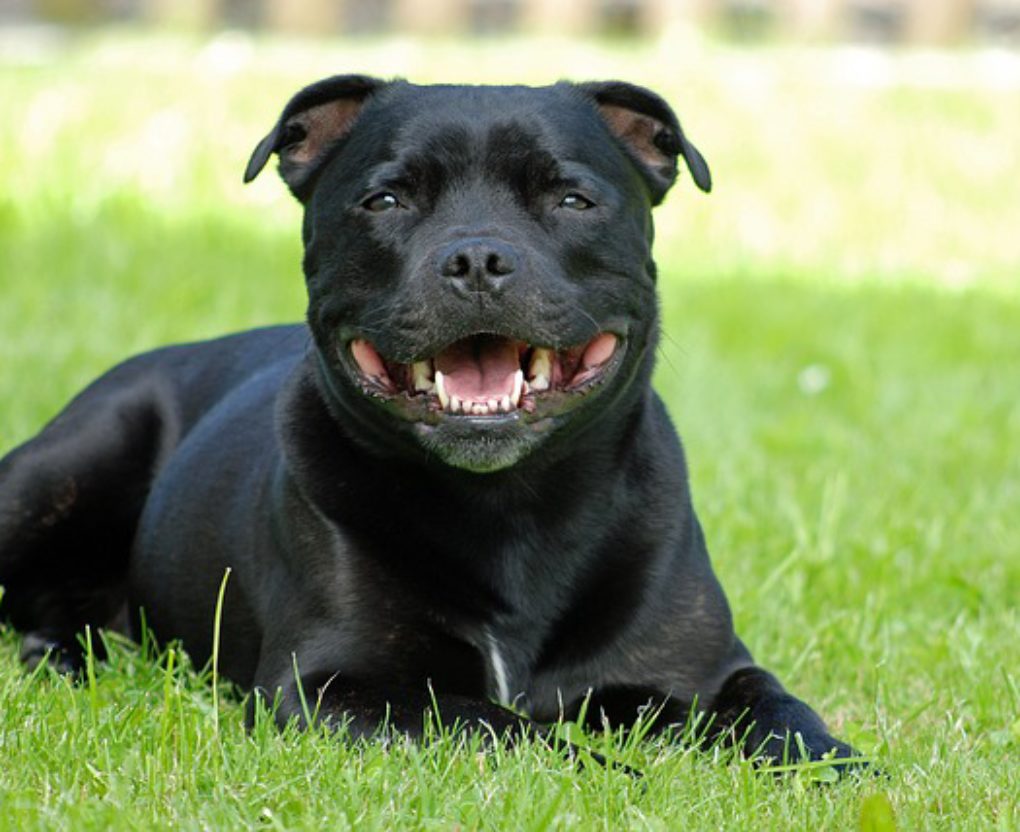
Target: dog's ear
point(650, 130)
point(310, 125)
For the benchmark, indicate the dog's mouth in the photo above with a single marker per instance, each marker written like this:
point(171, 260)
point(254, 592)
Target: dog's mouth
point(486, 375)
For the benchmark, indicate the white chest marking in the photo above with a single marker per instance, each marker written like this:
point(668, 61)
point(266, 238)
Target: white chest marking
point(499, 675)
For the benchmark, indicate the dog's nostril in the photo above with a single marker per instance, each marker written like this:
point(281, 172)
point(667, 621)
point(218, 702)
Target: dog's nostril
point(499, 263)
point(457, 265)
point(482, 261)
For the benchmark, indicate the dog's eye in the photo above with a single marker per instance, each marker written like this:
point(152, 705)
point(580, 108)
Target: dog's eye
point(381, 202)
point(576, 202)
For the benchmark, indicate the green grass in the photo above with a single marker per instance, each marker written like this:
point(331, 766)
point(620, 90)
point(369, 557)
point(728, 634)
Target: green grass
point(841, 353)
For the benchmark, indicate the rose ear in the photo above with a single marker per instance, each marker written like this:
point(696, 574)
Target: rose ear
point(651, 132)
point(310, 125)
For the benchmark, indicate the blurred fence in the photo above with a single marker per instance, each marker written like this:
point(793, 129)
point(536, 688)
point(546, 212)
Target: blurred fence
point(888, 21)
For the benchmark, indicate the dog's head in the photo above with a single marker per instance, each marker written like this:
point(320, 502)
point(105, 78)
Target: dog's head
point(478, 259)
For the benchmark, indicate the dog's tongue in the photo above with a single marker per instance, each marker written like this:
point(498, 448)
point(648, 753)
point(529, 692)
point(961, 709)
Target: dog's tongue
point(479, 368)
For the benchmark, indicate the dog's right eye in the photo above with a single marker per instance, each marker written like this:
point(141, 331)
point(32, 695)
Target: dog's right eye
point(380, 202)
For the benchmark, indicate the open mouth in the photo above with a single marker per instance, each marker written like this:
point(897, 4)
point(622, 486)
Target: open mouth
point(488, 375)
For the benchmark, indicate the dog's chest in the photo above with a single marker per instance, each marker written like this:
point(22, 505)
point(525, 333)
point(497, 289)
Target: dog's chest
point(501, 673)
point(509, 658)
point(507, 661)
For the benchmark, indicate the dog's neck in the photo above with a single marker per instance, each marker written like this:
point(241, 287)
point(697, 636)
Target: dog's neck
point(401, 488)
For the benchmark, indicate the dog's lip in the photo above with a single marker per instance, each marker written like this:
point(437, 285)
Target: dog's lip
point(504, 379)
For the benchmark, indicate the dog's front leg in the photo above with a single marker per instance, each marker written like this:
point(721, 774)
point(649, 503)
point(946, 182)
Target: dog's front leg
point(754, 709)
point(367, 710)
point(751, 710)
point(372, 711)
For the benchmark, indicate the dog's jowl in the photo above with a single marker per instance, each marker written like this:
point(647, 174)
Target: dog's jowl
point(454, 480)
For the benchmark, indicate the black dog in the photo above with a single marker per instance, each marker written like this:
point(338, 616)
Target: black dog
point(461, 481)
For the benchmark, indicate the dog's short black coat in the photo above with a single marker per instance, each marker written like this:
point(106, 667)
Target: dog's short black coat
point(534, 550)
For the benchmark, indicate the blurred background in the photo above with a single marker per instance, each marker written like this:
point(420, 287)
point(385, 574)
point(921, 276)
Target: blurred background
point(882, 21)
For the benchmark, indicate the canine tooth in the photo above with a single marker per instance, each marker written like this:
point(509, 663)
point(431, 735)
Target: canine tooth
point(519, 385)
point(504, 403)
point(455, 404)
point(422, 374)
point(540, 367)
point(444, 399)
point(539, 382)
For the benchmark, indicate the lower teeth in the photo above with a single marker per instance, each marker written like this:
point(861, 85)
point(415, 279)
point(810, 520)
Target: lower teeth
point(488, 407)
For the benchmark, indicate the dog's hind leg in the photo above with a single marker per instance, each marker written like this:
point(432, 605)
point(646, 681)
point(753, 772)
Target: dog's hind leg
point(70, 500)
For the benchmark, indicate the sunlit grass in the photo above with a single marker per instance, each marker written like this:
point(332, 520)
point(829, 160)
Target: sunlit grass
point(841, 352)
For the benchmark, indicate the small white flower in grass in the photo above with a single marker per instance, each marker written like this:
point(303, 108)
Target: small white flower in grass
point(814, 379)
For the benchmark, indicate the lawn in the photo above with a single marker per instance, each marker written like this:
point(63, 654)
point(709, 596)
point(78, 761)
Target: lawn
point(841, 351)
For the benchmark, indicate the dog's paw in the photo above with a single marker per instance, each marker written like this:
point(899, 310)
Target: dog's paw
point(778, 731)
point(808, 750)
point(65, 656)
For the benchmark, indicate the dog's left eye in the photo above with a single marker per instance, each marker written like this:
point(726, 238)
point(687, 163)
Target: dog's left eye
point(381, 202)
point(576, 202)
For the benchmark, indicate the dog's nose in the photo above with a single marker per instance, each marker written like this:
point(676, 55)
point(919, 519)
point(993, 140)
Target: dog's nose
point(478, 264)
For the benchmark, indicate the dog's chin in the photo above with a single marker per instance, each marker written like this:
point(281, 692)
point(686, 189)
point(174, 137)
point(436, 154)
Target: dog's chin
point(486, 401)
point(479, 445)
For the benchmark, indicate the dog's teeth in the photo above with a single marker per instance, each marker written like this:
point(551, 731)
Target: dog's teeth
point(422, 374)
point(519, 385)
point(444, 399)
point(540, 369)
point(541, 363)
point(486, 407)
